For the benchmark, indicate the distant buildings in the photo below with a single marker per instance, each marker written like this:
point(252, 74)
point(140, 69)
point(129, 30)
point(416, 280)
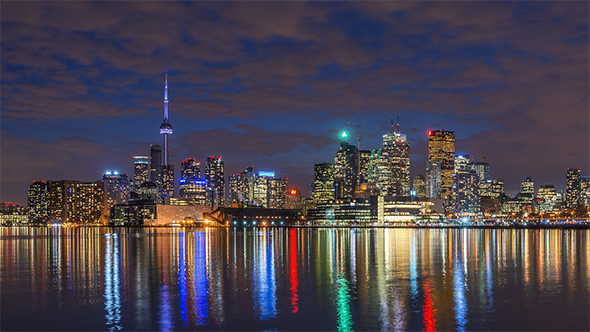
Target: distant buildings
point(345, 170)
point(214, 174)
point(141, 170)
point(323, 184)
point(572, 187)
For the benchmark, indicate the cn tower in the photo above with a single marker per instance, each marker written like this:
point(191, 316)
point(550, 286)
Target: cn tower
point(166, 127)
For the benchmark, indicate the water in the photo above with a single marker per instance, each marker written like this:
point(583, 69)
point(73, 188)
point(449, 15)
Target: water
point(175, 279)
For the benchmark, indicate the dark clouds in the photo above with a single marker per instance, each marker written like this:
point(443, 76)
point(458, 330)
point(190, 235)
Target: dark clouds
point(513, 73)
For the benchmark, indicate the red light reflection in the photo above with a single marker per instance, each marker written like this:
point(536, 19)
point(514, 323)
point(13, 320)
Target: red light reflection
point(428, 308)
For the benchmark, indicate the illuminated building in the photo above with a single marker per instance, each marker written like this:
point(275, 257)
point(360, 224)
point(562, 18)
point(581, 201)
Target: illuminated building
point(572, 187)
point(156, 164)
point(490, 192)
point(141, 170)
point(585, 191)
point(239, 189)
point(466, 192)
point(433, 178)
point(363, 160)
point(167, 180)
point(13, 214)
point(193, 190)
point(323, 184)
point(190, 169)
point(37, 201)
point(277, 196)
point(546, 198)
point(419, 186)
point(441, 147)
point(214, 174)
point(462, 163)
point(116, 190)
point(345, 170)
point(482, 169)
point(341, 212)
point(56, 200)
point(380, 171)
point(527, 186)
point(86, 202)
point(520, 205)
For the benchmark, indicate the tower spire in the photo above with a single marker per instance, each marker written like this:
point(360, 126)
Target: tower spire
point(166, 127)
point(166, 96)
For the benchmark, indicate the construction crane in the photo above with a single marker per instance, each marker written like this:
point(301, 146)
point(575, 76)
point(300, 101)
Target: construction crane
point(359, 139)
point(485, 152)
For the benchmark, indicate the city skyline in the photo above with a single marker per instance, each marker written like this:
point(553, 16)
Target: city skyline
point(272, 85)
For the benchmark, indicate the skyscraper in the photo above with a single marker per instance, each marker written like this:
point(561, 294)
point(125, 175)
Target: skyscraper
point(323, 184)
point(115, 190)
point(214, 174)
point(156, 165)
point(141, 170)
point(433, 179)
point(419, 186)
point(572, 187)
point(398, 152)
point(37, 201)
point(441, 147)
point(527, 186)
point(466, 191)
point(190, 169)
point(345, 170)
point(546, 198)
point(167, 184)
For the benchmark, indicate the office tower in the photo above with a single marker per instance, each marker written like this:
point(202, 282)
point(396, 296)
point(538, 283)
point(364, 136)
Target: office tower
point(167, 181)
point(482, 169)
point(277, 195)
point(261, 188)
point(323, 184)
point(441, 147)
point(190, 169)
point(398, 152)
point(527, 186)
point(546, 198)
point(585, 191)
point(214, 174)
point(363, 161)
point(433, 178)
point(345, 170)
point(572, 187)
point(380, 172)
point(239, 189)
point(115, 190)
point(466, 191)
point(492, 188)
point(141, 170)
point(156, 165)
point(193, 189)
point(37, 201)
point(419, 186)
point(462, 163)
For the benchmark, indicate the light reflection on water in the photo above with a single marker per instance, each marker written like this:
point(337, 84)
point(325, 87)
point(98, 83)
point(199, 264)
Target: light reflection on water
point(173, 279)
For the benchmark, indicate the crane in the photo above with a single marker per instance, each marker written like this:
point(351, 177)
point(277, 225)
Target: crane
point(485, 152)
point(358, 138)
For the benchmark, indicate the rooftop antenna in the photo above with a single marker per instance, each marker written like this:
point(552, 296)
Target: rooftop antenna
point(398, 123)
point(472, 149)
point(392, 123)
point(359, 139)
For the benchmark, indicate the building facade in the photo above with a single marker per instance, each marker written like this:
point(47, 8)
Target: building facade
point(572, 187)
point(441, 148)
point(214, 174)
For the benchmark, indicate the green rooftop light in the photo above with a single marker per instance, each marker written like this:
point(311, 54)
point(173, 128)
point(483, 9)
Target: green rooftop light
point(344, 134)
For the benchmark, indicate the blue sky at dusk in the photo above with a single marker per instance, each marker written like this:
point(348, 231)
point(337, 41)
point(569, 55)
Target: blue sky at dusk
point(272, 84)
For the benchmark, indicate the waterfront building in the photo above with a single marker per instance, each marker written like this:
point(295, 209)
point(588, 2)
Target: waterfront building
point(214, 174)
point(148, 213)
point(323, 184)
point(441, 147)
point(193, 190)
point(13, 214)
point(466, 192)
point(419, 186)
point(277, 197)
point(115, 190)
point(527, 186)
point(433, 178)
point(37, 201)
point(141, 170)
point(546, 198)
point(239, 189)
point(519, 206)
point(490, 192)
point(88, 202)
point(572, 187)
point(345, 170)
point(342, 212)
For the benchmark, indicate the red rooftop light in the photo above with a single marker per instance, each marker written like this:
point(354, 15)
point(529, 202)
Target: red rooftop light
point(293, 192)
point(430, 133)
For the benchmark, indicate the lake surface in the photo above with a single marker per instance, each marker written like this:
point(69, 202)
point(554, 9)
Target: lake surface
point(175, 279)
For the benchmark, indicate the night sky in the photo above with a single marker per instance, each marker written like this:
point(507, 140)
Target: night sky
point(272, 84)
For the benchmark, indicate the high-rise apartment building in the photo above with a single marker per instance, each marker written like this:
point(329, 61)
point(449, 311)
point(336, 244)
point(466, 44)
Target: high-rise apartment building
point(37, 201)
point(194, 190)
point(239, 188)
point(572, 187)
point(363, 166)
point(87, 202)
point(585, 191)
point(345, 170)
point(277, 195)
point(466, 192)
point(115, 190)
point(482, 169)
point(141, 170)
point(323, 184)
point(441, 147)
point(527, 186)
point(214, 174)
point(462, 163)
point(546, 198)
point(190, 169)
point(433, 178)
point(380, 172)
